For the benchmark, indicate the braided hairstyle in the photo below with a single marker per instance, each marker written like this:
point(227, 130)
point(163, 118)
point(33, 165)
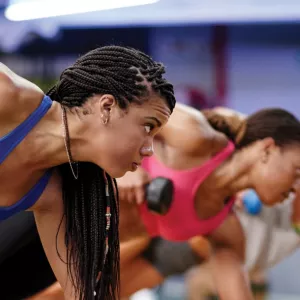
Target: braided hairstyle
point(276, 123)
point(130, 76)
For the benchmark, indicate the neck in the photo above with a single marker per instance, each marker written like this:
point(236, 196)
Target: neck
point(235, 174)
point(51, 142)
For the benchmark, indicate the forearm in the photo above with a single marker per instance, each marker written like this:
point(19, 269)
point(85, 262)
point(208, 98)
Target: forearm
point(57, 258)
point(230, 278)
point(227, 261)
point(51, 229)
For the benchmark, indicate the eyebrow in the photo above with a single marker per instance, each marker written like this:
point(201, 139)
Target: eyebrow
point(158, 123)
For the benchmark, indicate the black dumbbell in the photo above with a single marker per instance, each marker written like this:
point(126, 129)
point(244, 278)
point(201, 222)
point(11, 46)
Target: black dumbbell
point(159, 195)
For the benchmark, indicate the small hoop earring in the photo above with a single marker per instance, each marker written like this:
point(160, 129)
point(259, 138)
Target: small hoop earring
point(104, 121)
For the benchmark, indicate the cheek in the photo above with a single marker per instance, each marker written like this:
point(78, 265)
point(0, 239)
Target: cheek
point(268, 183)
point(285, 174)
point(127, 142)
point(278, 179)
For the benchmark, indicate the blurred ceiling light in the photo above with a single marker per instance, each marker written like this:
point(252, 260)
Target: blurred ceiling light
point(21, 10)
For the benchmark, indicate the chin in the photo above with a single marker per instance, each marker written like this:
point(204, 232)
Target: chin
point(116, 173)
point(270, 201)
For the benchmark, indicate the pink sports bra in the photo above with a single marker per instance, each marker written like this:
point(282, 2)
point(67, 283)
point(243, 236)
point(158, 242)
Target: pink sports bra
point(181, 222)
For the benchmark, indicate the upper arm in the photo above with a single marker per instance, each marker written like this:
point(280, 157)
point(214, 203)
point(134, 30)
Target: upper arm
point(48, 226)
point(227, 263)
point(51, 227)
point(230, 235)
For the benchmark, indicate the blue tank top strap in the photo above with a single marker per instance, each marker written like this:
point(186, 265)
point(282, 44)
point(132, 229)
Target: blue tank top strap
point(10, 141)
point(28, 200)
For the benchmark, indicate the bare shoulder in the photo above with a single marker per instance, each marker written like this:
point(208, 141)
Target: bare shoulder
point(8, 89)
point(192, 118)
point(188, 130)
point(15, 90)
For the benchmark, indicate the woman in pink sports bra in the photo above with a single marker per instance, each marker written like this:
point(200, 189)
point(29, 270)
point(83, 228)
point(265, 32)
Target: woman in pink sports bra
point(207, 170)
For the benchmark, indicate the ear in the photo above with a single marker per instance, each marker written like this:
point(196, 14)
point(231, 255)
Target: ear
point(106, 103)
point(268, 145)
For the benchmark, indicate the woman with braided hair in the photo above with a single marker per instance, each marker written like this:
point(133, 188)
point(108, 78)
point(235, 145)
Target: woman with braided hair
point(60, 152)
point(207, 168)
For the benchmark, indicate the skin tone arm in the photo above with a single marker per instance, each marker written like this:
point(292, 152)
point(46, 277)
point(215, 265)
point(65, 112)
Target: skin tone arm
point(48, 213)
point(129, 251)
point(227, 261)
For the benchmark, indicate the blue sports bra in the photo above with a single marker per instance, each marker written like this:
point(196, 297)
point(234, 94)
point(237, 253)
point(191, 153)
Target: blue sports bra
point(8, 143)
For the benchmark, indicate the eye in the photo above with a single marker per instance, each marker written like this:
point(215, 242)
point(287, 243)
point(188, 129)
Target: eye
point(149, 128)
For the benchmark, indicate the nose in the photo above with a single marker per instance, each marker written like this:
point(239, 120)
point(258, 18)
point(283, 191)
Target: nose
point(147, 149)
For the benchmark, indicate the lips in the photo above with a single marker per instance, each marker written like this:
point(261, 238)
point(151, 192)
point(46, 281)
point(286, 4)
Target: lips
point(135, 166)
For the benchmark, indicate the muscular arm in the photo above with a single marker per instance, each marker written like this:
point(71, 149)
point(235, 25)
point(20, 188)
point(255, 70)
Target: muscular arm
point(48, 214)
point(227, 261)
